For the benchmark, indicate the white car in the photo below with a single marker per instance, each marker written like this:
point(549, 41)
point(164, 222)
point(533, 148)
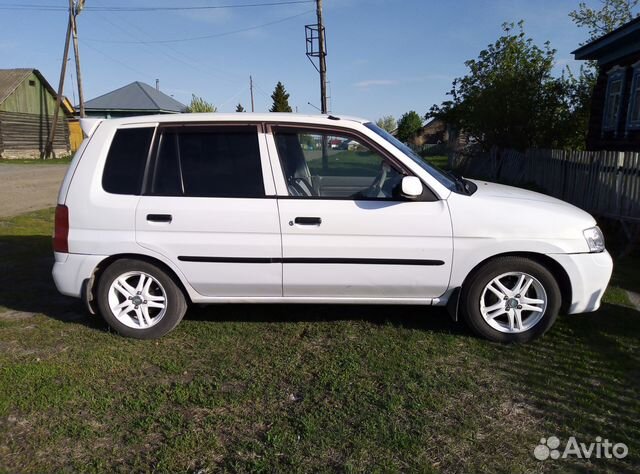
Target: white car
point(157, 212)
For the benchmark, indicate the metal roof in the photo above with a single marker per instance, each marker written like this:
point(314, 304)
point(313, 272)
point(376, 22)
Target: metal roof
point(614, 45)
point(136, 96)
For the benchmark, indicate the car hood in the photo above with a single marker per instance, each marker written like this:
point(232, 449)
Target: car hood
point(505, 212)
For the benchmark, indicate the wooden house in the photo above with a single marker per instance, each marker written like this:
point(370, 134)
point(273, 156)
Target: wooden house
point(614, 123)
point(27, 104)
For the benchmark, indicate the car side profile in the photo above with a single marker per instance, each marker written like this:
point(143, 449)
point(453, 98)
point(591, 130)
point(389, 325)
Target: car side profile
point(158, 212)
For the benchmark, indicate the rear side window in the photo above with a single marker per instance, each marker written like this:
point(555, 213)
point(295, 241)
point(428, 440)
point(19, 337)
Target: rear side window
point(124, 169)
point(218, 161)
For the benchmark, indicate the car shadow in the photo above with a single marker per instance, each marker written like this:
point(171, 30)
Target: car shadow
point(27, 288)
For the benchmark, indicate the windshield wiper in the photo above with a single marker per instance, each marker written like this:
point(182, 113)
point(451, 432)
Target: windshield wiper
point(461, 183)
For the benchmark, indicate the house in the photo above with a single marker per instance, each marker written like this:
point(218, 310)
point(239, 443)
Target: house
point(27, 104)
point(133, 99)
point(433, 132)
point(614, 123)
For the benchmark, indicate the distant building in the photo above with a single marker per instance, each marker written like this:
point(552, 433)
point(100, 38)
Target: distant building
point(615, 105)
point(136, 98)
point(27, 104)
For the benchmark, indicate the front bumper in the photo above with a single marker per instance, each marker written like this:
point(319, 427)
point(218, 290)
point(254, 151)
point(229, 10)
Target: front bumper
point(589, 274)
point(71, 270)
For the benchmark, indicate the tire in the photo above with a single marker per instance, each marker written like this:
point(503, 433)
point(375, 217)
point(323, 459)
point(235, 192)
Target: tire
point(160, 302)
point(492, 312)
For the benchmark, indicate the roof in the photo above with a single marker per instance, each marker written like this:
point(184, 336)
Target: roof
point(136, 96)
point(10, 79)
point(620, 42)
point(246, 117)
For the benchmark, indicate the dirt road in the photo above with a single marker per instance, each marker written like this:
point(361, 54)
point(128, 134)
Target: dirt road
point(25, 188)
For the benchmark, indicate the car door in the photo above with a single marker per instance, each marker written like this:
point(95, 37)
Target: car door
point(346, 232)
point(209, 208)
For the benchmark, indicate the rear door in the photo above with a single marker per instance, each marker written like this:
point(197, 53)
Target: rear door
point(209, 208)
point(346, 232)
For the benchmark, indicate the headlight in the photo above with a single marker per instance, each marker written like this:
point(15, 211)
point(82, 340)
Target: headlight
point(595, 239)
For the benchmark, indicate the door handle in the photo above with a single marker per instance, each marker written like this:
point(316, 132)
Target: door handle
point(159, 218)
point(308, 220)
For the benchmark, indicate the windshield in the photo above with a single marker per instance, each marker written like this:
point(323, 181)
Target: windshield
point(437, 173)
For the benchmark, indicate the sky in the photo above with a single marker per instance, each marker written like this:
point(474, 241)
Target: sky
point(385, 57)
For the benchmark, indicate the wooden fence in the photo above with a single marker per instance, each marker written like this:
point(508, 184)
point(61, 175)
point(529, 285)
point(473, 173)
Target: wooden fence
point(604, 183)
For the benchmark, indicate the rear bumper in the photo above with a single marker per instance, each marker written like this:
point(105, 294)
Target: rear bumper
point(589, 274)
point(71, 270)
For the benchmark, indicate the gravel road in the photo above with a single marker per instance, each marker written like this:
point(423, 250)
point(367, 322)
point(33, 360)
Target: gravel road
point(26, 187)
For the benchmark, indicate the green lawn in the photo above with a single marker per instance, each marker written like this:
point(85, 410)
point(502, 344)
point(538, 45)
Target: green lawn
point(300, 388)
point(64, 160)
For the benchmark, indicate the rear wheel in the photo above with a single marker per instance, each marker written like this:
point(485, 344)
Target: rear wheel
point(139, 300)
point(511, 299)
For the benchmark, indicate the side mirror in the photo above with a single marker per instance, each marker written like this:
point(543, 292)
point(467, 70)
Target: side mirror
point(411, 187)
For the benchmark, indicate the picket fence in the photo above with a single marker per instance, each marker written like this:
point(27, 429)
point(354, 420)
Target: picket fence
point(605, 183)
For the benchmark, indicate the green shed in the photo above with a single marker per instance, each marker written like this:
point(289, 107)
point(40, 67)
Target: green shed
point(27, 104)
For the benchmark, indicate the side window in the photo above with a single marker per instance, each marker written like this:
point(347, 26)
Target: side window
point(124, 168)
point(323, 164)
point(613, 100)
point(209, 162)
point(634, 103)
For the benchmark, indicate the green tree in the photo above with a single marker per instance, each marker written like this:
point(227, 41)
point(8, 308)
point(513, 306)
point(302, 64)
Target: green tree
point(240, 108)
point(280, 99)
point(611, 15)
point(408, 125)
point(387, 123)
point(198, 104)
point(510, 99)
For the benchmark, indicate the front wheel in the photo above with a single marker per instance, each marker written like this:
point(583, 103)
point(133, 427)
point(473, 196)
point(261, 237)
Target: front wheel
point(511, 299)
point(139, 300)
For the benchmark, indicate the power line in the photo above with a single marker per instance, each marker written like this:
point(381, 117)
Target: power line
point(40, 7)
point(198, 38)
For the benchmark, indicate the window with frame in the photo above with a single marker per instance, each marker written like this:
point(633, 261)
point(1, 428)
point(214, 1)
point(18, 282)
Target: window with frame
point(322, 164)
point(633, 120)
point(126, 160)
point(222, 161)
point(613, 100)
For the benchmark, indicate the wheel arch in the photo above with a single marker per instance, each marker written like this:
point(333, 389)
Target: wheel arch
point(557, 270)
point(90, 284)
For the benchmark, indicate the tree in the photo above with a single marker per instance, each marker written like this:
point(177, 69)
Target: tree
point(280, 99)
point(387, 123)
point(198, 104)
point(510, 99)
point(240, 108)
point(408, 126)
point(611, 15)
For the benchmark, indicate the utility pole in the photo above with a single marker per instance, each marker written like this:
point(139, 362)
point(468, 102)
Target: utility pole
point(48, 149)
point(75, 9)
point(322, 58)
point(253, 109)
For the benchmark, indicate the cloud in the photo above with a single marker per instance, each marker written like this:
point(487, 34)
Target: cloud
point(376, 82)
point(215, 16)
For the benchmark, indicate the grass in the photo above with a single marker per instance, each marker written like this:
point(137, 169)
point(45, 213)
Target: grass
point(300, 388)
point(64, 160)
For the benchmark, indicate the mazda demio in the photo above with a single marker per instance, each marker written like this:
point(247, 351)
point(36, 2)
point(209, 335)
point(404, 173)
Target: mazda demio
point(159, 212)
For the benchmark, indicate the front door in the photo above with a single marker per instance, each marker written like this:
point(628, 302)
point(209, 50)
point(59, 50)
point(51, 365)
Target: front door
point(346, 233)
point(207, 210)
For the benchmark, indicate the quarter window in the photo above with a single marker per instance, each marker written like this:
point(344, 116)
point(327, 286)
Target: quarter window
point(208, 162)
point(613, 100)
point(329, 165)
point(126, 160)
